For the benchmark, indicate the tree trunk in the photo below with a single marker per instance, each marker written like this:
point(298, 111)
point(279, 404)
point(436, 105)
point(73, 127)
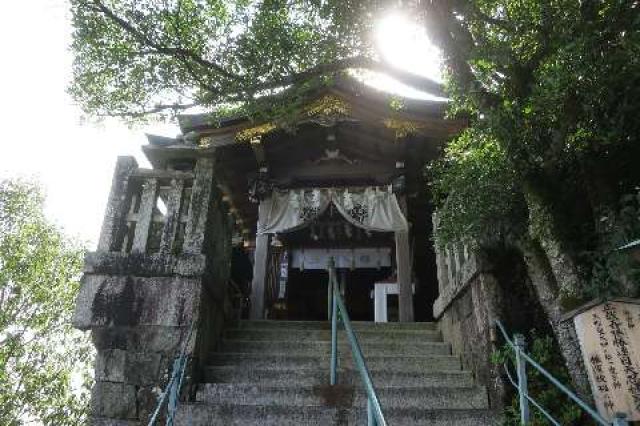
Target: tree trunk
point(542, 272)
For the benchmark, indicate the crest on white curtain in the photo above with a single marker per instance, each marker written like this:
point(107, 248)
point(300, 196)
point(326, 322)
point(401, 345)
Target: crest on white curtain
point(372, 209)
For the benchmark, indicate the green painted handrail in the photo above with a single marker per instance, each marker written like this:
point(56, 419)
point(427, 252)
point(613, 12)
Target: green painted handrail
point(522, 359)
point(171, 394)
point(375, 416)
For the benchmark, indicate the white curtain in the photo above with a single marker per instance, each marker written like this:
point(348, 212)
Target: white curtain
point(372, 208)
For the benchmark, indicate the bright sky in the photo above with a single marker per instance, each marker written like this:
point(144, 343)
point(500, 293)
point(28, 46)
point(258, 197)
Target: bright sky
point(42, 133)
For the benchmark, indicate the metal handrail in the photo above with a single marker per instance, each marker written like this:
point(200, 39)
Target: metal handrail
point(375, 416)
point(522, 359)
point(172, 390)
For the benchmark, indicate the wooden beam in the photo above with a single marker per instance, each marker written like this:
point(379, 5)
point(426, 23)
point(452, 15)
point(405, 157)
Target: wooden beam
point(259, 276)
point(405, 286)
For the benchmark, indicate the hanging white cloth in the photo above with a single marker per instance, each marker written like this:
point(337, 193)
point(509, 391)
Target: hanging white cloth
point(372, 209)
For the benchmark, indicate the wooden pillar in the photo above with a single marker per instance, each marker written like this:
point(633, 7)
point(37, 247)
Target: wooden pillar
point(259, 276)
point(145, 215)
point(405, 288)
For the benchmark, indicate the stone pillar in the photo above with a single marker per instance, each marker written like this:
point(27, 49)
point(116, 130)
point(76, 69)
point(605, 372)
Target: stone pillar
point(441, 262)
point(117, 203)
point(145, 215)
point(173, 215)
point(203, 188)
point(405, 287)
point(259, 276)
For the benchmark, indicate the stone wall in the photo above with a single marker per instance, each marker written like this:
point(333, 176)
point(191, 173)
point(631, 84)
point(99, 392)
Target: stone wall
point(476, 288)
point(154, 274)
point(468, 304)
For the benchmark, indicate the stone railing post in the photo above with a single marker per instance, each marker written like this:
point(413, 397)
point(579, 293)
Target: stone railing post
point(145, 215)
point(117, 203)
point(203, 188)
point(173, 216)
point(441, 262)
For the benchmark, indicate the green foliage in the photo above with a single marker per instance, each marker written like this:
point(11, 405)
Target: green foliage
point(614, 272)
point(477, 190)
point(43, 361)
point(544, 350)
point(134, 57)
point(555, 84)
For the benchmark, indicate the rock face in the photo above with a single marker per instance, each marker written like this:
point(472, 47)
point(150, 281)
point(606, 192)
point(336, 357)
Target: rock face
point(152, 277)
point(276, 373)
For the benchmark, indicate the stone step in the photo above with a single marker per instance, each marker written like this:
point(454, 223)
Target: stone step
point(324, 347)
point(289, 361)
point(413, 417)
point(318, 376)
point(410, 397)
point(326, 325)
point(199, 414)
point(363, 335)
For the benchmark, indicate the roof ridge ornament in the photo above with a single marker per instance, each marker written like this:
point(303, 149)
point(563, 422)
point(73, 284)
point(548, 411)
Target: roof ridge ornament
point(334, 155)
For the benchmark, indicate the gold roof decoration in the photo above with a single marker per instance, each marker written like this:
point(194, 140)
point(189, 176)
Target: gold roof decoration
point(205, 142)
point(251, 133)
point(328, 106)
point(403, 128)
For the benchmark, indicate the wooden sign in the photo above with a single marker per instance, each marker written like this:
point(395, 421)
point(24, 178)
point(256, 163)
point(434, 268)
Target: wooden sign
point(609, 335)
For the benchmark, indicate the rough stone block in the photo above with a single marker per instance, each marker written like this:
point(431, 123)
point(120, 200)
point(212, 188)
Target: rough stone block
point(140, 339)
point(466, 305)
point(129, 301)
point(99, 421)
point(105, 338)
point(143, 368)
point(148, 397)
point(157, 339)
point(144, 265)
point(109, 365)
point(113, 400)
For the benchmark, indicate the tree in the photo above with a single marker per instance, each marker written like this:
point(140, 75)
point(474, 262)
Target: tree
point(41, 356)
point(135, 58)
point(552, 91)
point(554, 84)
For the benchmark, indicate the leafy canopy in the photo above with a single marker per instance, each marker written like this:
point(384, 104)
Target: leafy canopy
point(552, 91)
point(41, 356)
point(134, 58)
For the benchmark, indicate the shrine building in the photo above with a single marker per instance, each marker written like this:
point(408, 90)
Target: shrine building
point(220, 251)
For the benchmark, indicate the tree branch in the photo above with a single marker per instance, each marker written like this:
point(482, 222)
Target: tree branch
point(178, 53)
point(155, 110)
point(457, 43)
point(414, 80)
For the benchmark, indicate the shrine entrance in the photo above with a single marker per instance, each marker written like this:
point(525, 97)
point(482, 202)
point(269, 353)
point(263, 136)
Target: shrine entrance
point(306, 298)
point(345, 174)
point(299, 272)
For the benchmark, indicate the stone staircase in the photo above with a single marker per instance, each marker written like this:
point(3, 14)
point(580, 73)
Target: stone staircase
point(277, 372)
